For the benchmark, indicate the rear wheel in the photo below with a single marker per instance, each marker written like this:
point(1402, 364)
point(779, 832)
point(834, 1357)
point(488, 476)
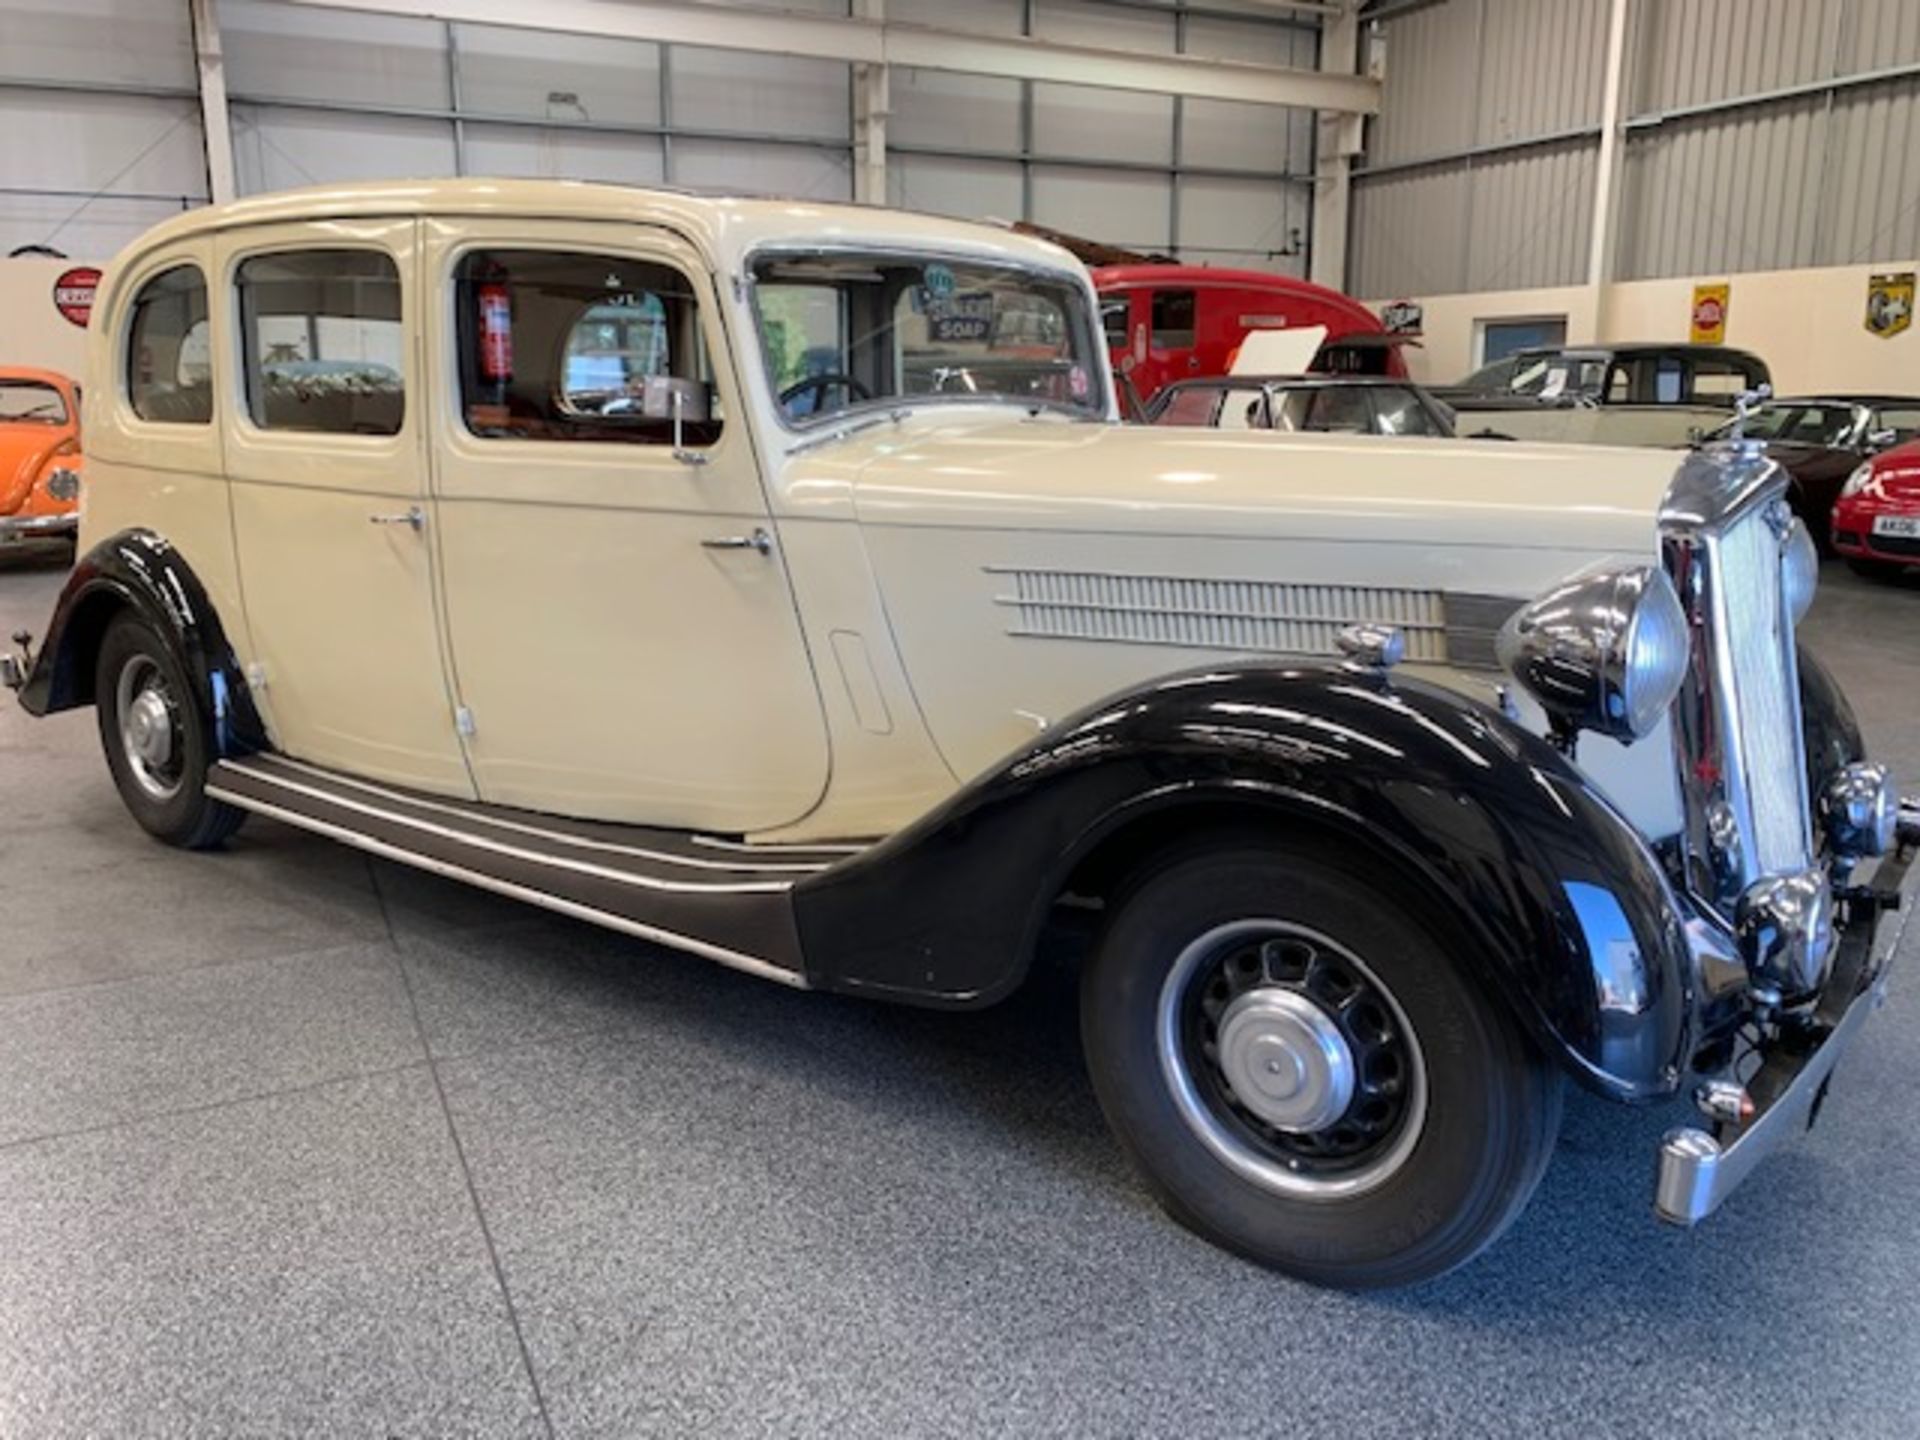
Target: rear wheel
point(156, 738)
point(1305, 1072)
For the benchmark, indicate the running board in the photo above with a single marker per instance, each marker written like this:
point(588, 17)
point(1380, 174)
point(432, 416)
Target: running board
point(713, 896)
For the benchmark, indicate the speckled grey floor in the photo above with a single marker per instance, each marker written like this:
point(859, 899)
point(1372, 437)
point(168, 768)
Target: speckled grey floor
point(292, 1143)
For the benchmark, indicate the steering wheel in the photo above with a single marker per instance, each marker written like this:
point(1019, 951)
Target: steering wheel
point(818, 386)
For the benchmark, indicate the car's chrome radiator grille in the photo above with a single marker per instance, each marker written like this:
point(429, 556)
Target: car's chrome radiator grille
point(1274, 616)
point(1767, 720)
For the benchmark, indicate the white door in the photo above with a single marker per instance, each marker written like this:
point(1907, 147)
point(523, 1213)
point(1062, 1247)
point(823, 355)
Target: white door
point(325, 449)
point(621, 627)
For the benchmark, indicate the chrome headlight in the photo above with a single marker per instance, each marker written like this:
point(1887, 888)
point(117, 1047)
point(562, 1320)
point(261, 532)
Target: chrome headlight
point(1799, 569)
point(1606, 651)
point(1857, 481)
point(64, 484)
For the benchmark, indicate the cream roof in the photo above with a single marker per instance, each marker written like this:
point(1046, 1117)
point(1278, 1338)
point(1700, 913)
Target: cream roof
point(725, 227)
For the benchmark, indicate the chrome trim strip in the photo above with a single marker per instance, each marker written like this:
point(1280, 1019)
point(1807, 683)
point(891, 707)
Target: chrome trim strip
point(579, 867)
point(583, 841)
point(773, 847)
point(733, 959)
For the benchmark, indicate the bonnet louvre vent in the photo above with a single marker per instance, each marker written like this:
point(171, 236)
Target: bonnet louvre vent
point(1244, 615)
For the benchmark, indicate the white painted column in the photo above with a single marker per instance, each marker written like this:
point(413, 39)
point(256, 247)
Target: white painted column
point(872, 98)
point(1606, 190)
point(1338, 136)
point(215, 128)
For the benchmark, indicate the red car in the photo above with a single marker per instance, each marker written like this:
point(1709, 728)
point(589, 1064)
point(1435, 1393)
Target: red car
point(1179, 322)
point(1876, 521)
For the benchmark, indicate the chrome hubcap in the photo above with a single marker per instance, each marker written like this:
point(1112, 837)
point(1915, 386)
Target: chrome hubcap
point(1286, 1059)
point(1290, 1060)
point(149, 727)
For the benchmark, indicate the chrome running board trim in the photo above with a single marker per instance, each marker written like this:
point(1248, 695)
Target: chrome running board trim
point(740, 915)
point(473, 814)
point(751, 964)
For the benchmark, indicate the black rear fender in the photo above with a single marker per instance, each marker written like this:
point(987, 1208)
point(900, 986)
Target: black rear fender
point(140, 571)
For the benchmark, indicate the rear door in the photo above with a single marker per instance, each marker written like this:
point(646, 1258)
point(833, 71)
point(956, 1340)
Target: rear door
point(325, 452)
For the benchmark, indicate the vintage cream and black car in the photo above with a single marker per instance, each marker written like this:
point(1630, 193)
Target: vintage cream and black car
point(774, 581)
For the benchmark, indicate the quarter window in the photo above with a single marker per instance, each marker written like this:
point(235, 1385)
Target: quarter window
point(323, 343)
point(559, 346)
point(169, 377)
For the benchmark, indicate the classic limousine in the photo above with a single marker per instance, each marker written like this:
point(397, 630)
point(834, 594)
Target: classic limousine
point(774, 581)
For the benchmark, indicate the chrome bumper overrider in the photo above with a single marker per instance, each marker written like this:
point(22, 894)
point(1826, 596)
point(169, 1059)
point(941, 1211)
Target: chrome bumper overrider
point(35, 527)
point(1698, 1170)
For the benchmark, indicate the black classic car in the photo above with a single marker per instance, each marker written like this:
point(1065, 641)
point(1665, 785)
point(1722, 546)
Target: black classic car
point(1821, 440)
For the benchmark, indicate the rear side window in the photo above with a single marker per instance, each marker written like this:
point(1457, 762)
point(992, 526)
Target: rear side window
point(563, 346)
point(1173, 323)
point(169, 374)
point(322, 341)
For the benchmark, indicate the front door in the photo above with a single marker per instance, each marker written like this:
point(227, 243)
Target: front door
point(622, 632)
point(325, 452)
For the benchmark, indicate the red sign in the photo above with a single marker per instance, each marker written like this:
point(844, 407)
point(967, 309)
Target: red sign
point(496, 333)
point(73, 293)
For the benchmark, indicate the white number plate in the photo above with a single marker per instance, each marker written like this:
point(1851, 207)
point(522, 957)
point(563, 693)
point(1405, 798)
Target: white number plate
point(1907, 525)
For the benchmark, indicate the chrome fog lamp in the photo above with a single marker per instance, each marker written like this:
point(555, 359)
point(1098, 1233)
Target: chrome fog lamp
point(1860, 808)
point(1606, 651)
point(1784, 926)
point(1799, 569)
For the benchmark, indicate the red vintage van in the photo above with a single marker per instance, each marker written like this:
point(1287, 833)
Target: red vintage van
point(1174, 322)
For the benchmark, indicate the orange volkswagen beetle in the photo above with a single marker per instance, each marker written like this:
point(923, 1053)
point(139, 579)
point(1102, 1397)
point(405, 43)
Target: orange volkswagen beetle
point(40, 462)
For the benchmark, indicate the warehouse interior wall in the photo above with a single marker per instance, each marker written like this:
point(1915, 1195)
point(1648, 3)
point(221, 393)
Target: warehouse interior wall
point(1770, 142)
point(104, 140)
point(1808, 325)
point(36, 332)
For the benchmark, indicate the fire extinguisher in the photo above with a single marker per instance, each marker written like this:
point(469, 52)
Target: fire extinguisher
point(496, 337)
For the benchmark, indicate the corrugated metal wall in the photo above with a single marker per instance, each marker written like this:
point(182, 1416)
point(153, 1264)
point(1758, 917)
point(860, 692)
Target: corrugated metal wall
point(1762, 134)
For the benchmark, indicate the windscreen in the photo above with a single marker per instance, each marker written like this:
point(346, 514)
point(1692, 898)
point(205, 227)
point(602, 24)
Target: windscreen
point(843, 332)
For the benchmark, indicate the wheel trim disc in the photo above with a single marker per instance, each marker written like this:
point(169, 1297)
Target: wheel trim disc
point(1260, 1027)
point(148, 719)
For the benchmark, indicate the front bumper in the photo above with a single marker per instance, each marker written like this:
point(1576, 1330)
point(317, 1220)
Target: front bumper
point(38, 527)
point(1698, 1169)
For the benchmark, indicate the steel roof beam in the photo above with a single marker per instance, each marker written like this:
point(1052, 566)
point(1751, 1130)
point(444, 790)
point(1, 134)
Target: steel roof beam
point(892, 42)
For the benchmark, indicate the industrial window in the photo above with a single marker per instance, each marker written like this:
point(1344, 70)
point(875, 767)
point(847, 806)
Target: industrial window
point(1501, 338)
point(322, 342)
point(169, 379)
point(556, 345)
point(1173, 323)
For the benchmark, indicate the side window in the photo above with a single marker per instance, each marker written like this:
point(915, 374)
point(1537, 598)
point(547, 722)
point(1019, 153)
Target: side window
point(321, 341)
point(1400, 413)
point(1619, 385)
point(1115, 313)
point(556, 345)
point(1669, 382)
point(1173, 323)
point(169, 377)
point(1718, 382)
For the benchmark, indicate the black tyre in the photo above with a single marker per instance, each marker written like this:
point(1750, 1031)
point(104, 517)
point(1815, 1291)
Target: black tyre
point(156, 737)
point(1877, 569)
point(1302, 1067)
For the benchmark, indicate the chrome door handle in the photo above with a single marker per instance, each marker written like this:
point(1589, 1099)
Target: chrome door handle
point(759, 540)
point(413, 516)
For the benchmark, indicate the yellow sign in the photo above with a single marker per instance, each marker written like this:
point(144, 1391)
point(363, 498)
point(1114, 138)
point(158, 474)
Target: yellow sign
point(1710, 313)
point(1890, 303)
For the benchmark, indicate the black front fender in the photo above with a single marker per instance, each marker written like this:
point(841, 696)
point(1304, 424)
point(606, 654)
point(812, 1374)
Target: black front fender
point(141, 571)
point(1568, 913)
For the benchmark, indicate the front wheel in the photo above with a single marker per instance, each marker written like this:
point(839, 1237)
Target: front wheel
point(156, 738)
point(1305, 1071)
